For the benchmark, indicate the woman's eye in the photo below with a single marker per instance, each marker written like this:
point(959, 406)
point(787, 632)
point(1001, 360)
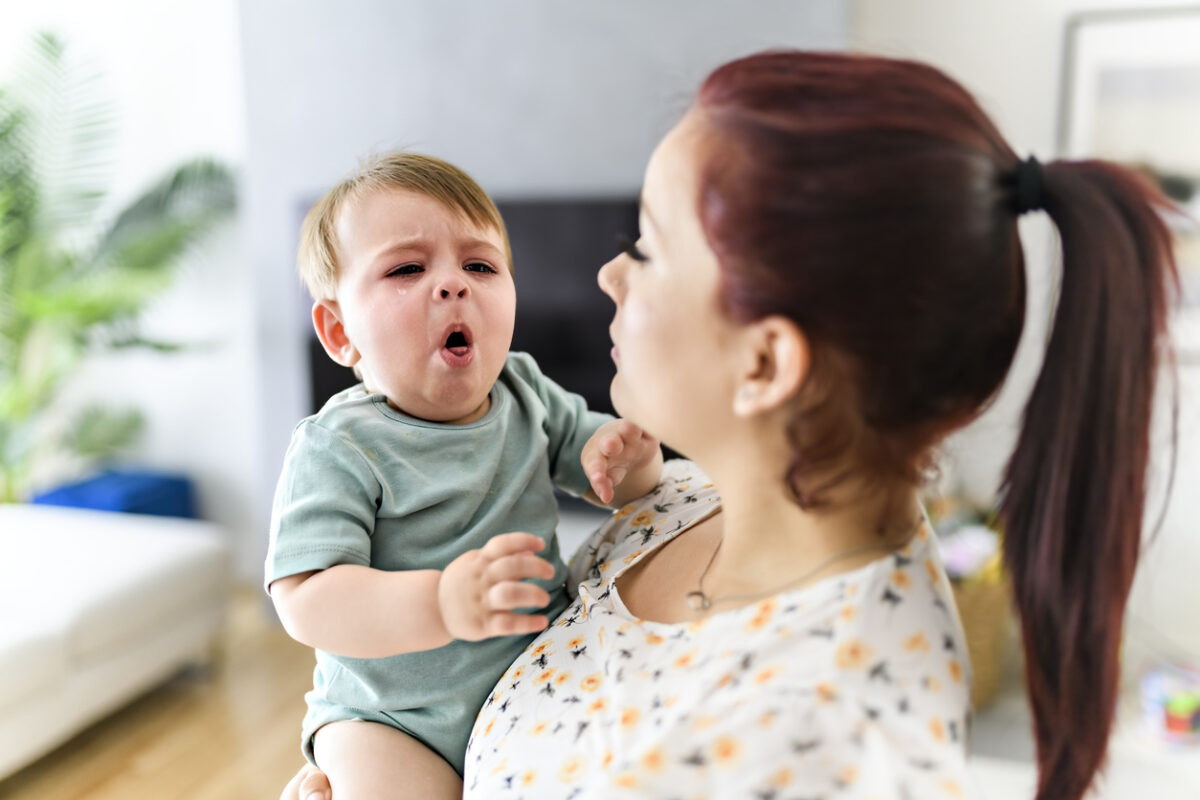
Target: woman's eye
point(479, 266)
point(630, 248)
point(406, 269)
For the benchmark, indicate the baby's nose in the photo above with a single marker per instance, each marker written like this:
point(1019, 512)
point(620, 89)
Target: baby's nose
point(451, 288)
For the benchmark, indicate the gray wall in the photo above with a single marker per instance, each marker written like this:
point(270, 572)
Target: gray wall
point(534, 97)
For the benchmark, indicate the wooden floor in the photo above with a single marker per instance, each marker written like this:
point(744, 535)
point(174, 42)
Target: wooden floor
point(224, 732)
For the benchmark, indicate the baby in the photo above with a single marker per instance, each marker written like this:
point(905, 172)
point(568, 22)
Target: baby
point(413, 524)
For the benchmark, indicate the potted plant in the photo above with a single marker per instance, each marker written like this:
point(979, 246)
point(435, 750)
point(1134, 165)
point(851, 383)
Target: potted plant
point(73, 275)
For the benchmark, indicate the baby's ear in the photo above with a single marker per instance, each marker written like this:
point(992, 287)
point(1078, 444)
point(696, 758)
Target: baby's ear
point(327, 322)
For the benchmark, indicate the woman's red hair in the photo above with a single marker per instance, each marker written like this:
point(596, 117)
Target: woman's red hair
point(873, 202)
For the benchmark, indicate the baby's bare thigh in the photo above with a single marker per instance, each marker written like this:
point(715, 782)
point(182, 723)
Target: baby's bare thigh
point(366, 761)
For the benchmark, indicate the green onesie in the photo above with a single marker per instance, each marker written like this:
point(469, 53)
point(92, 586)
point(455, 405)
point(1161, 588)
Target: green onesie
point(365, 484)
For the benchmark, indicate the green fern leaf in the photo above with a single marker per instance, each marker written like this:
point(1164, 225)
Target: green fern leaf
point(100, 432)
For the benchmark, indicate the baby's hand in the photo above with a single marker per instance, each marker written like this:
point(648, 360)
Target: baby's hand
point(615, 449)
point(479, 589)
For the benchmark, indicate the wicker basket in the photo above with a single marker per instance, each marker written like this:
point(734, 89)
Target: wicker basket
point(985, 607)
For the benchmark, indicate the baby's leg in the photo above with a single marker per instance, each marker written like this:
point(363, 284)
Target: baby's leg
point(366, 760)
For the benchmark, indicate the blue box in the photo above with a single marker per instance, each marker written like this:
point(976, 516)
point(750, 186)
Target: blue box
point(131, 491)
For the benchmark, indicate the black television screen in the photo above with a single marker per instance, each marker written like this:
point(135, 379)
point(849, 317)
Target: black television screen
point(562, 316)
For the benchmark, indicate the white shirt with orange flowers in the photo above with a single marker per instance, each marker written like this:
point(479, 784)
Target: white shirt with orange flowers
point(851, 687)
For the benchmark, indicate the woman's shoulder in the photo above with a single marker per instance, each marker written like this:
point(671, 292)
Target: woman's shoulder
point(683, 496)
point(871, 672)
point(895, 639)
point(682, 487)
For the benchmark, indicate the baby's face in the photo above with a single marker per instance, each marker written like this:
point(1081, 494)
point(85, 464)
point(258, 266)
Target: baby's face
point(427, 301)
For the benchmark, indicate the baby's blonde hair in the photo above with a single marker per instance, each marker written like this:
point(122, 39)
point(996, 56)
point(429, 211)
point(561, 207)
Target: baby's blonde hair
point(456, 190)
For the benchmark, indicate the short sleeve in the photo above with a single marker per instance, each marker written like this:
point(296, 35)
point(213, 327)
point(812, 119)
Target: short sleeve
point(568, 424)
point(594, 550)
point(324, 509)
point(682, 490)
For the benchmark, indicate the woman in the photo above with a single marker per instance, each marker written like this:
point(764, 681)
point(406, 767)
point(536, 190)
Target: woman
point(829, 281)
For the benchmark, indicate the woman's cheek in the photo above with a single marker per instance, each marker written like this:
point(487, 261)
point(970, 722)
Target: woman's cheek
point(639, 322)
point(641, 343)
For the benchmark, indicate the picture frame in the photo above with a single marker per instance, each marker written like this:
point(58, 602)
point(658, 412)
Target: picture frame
point(1131, 94)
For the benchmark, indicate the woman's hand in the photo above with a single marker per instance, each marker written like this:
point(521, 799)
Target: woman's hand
point(478, 590)
point(622, 462)
point(308, 784)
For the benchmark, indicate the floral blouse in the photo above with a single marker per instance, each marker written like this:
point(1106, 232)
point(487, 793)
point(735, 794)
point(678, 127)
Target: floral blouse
point(852, 687)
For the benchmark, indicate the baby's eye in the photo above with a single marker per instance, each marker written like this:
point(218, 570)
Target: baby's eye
point(479, 266)
point(406, 269)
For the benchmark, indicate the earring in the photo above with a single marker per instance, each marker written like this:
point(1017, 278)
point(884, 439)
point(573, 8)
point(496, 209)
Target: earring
point(746, 393)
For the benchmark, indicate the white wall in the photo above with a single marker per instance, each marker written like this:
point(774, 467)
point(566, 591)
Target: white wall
point(1009, 54)
point(531, 97)
point(173, 72)
point(534, 97)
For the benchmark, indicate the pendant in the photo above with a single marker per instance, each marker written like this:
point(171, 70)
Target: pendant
point(698, 601)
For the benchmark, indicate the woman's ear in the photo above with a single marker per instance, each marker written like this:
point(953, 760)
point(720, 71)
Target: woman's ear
point(777, 360)
point(327, 322)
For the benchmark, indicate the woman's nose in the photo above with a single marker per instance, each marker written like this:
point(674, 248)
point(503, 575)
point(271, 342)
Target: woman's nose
point(609, 278)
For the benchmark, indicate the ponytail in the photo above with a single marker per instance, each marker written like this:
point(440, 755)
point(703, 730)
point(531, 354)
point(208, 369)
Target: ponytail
point(1074, 489)
point(888, 175)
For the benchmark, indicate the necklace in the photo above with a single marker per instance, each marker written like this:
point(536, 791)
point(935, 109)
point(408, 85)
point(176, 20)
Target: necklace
point(699, 600)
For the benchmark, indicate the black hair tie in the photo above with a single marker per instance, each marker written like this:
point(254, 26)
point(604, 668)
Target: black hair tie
point(1029, 186)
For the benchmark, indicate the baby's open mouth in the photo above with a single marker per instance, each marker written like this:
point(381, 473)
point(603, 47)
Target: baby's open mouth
point(458, 343)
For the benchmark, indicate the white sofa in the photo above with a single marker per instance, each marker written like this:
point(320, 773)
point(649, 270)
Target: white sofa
point(96, 608)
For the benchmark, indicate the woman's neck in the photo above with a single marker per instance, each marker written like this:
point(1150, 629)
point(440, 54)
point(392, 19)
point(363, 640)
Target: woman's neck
point(767, 539)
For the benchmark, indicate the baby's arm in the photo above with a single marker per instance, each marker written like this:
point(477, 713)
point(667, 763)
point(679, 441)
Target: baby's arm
point(622, 462)
point(361, 612)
